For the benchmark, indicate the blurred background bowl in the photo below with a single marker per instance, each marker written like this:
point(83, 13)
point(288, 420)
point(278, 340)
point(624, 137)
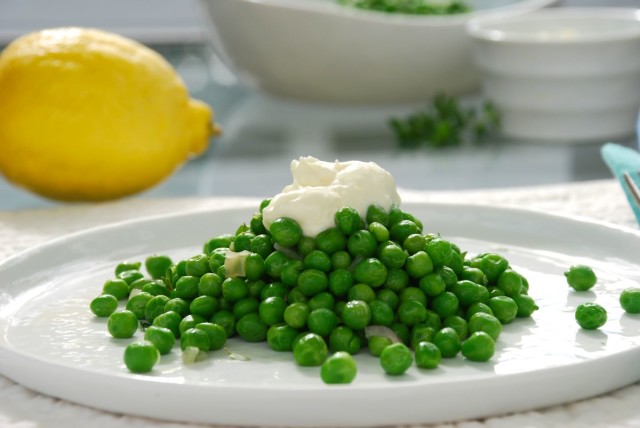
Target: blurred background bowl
point(562, 74)
point(318, 50)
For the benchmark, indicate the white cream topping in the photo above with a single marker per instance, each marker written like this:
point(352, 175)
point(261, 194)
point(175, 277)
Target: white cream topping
point(319, 189)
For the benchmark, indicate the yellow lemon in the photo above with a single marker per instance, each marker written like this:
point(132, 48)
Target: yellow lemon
point(86, 115)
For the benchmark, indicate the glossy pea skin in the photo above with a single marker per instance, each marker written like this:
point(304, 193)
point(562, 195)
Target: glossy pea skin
point(245, 306)
point(469, 292)
point(117, 288)
point(440, 251)
point(457, 323)
point(254, 266)
point(376, 344)
point(478, 347)
point(216, 333)
point(210, 284)
point(221, 241)
point(419, 264)
point(510, 282)
point(402, 229)
point(274, 263)
point(312, 282)
point(330, 241)
point(481, 321)
point(296, 314)
point(397, 280)
point(104, 305)
point(285, 231)
point(370, 271)
point(526, 305)
point(318, 260)
point(339, 368)
point(141, 357)
point(197, 265)
point(445, 304)
point(474, 274)
point(421, 333)
point(226, 320)
point(271, 310)
point(356, 314)
point(348, 220)
point(392, 255)
point(396, 359)
point(291, 272)
point(256, 224)
point(493, 265)
point(169, 320)
point(381, 313)
point(156, 288)
point(580, 277)
point(204, 306)
point(306, 245)
point(162, 338)
point(504, 308)
point(414, 243)
point(323, 300)
point(590, 316)
point(280, 337)
point(262, 244)
point(186, 287)
point(344, 339)
point(630, 300)
point(389, 297)
point(340, 282)
point(155, 307)
point(448, 341)
point(340, 260)
point(412, 312)
point(122, 324)
point(427, 355)
point(361, 292)
point(432, 284)
point(137, 303)
point(196, 338)
point(251, 328)
point(234, 289)
point(310, 350)
point(126, 266)
point(274, 289)
point(362, 243)
point(242, 241)
point(377, 214)
point(190, 321)
point(322, 321)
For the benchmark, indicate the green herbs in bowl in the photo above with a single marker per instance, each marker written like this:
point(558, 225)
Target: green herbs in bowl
point(412, 7)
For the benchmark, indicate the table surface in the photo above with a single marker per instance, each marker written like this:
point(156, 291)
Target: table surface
point(598, 199)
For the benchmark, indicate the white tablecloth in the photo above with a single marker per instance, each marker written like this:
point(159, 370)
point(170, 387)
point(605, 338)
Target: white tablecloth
point(602, 200)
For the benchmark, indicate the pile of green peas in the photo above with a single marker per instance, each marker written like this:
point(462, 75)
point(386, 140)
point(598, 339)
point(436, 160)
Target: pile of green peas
point(377, 283)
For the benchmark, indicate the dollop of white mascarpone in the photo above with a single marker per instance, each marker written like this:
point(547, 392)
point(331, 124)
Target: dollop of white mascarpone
point(319, 189)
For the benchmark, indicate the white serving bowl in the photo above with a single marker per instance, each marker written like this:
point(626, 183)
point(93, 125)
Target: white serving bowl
point(566, 74)
point(317, 50)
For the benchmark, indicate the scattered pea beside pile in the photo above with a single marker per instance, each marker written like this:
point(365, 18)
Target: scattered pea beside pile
point(378, 283)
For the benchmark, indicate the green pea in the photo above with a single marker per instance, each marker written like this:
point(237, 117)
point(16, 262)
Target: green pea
point(411, 217)
point(458, 324)
point(448, 341)
point(187, 287)
point(264, 204)
point(526, 305)
point(210, 284)
point(141, 357)
point(381, 313)
point(630, 300)
point(504, 308)
point(256, 225)
point(481, 321)
point(137, 303)
point(170, 320)
point(262, 244)
point(280, 337)
point(414, 243)
point(445, 304)
point(242, 242)
point(197, 265)
point(419, 264)
point(397, 280)
point(154, 307)
point(590, 316)
point(331, 240)
point(190, 321)
point(318, 260)
point(296, 295)
point(412, 312)
point(356, 314)
point(478, 307)
point(322, 300)
point(456, 264)
point(122, 324)
point(448, 275)
point(413, 293)
point(581, 277)
point(217, 334)
point(494, 292)
point(379, 231)
point(306, 245)
point(274, 289)
point(162, 338)
point(478, 347)
point(340, 260)
point(290, 272)
point(103, 306)
point(178, 305)
point(285, 231)
point(370, 271)
point(312, 281)
point(204, 306)
point(392, 255)
point(402, 229)
point(389, 297)
point(433, 320)
point(344, 339)
point(377, 344)
point(251, 328)
point(322, 321)
point(296, 314)
point(362, 243)
point(469, 292)
point(510, 282)
point(226, 320)
point(254, 266)
point(339, 368)
point(421, 333)
point(377, 214)
point(245, 306)
point(139, 283)
point(216, 260)
point(474, 274)
point(310, 350)
point(432, 284)
point(271, 310)
point(221, 241)
point(117, 288)
point(234, 289)
point(274, 263)
point(440, 251)
point(427, 355)
point(396, 359)
point(493, 265)
point(125, 266)
point(340, 282)
point(196, 338)
point(348, 220)
point(361, 292)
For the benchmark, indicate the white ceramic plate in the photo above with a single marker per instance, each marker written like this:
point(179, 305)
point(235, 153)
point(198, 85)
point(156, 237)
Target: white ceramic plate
point(49, 341)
